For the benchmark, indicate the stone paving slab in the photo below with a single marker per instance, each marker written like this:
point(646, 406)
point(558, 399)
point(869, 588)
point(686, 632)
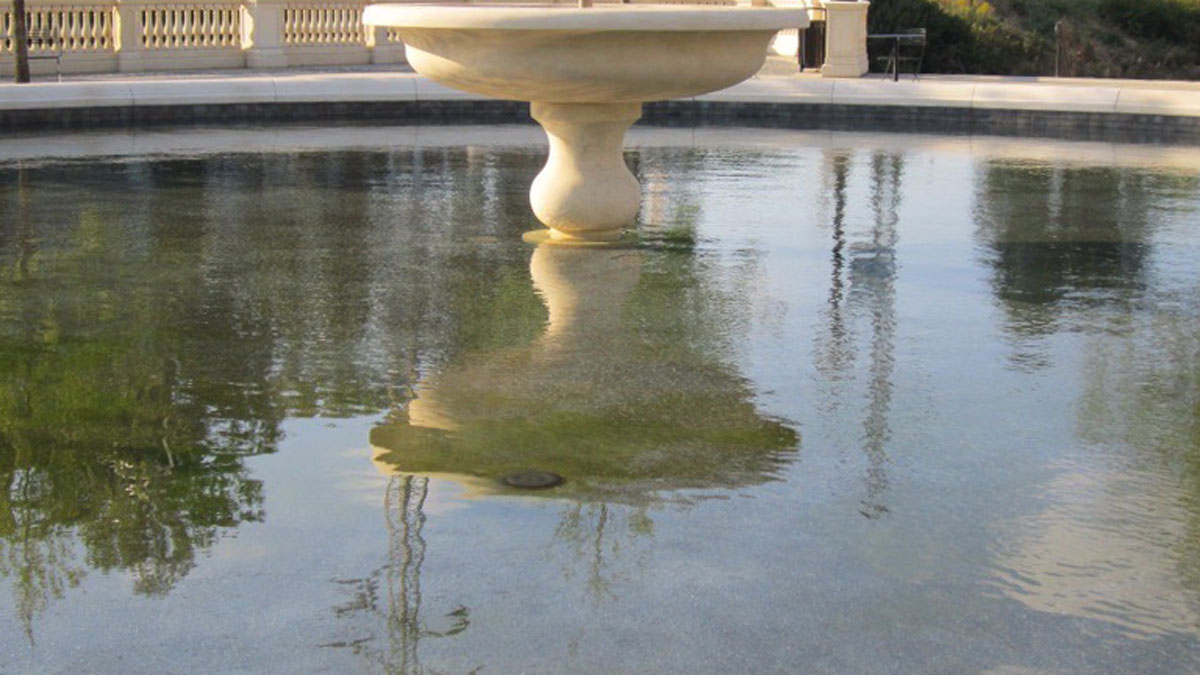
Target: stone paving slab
point(777, 83)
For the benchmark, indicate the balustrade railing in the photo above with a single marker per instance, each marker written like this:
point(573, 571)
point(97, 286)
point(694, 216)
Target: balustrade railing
point(133, 35)
point(191, 26)
point(323, 23)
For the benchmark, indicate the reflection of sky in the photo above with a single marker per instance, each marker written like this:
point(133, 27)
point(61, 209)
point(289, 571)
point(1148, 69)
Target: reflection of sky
point(1030, 525)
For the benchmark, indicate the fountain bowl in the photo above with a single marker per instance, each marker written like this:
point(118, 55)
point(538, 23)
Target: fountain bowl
point(601, 54)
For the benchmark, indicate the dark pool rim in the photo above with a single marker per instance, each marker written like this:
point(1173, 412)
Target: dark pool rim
point(960, 121)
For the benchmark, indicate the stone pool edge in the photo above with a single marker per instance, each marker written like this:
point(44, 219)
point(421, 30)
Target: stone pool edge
point(1088, 110)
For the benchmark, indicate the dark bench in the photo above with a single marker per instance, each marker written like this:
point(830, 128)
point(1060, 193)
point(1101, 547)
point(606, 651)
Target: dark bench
point(44, 44)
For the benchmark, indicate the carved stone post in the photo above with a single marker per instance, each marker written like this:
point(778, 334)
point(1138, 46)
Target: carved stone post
point(129, 34)
point(382, 49)
point(845, 39)
point(262, 33)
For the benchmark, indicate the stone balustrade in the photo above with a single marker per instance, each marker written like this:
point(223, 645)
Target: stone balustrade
point(105, 36)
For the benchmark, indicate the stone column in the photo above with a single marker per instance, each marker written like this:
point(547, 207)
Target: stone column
point(845, 39)
point(262, 33)
point(128, 32)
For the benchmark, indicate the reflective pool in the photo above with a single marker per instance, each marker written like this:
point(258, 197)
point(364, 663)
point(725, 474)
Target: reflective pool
point(850, 404)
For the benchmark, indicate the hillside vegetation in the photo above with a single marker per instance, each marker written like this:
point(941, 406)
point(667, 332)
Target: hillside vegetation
point(1099, 38)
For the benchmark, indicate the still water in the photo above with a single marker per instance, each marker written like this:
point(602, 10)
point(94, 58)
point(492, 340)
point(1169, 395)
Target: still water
point(850, 404)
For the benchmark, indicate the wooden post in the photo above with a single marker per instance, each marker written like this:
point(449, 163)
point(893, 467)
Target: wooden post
point(21, 48)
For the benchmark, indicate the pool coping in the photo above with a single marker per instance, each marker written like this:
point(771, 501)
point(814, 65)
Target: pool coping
point(1074, 108)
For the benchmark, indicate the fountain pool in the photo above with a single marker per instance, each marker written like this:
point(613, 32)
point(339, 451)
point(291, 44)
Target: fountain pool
point(850, 403)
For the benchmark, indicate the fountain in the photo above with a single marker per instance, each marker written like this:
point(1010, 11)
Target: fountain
point(586, 72)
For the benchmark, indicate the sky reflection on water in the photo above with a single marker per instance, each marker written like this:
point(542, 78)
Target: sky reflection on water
point(856, 403)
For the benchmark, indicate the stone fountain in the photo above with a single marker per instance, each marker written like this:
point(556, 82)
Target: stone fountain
point(586, 72)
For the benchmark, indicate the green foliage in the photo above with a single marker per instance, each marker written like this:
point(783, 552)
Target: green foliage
point(1109, 38)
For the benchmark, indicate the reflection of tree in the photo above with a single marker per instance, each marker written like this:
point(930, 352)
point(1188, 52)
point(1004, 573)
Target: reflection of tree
point(400, 612)
point(1143, 393)
point(596, 534)
point(1065, 238)
point(1118, 539)
point(869, 274)
point(1073, 250)
point(160, 319)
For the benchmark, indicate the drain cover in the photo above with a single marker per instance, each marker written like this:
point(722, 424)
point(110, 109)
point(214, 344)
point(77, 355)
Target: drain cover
point(532, 480)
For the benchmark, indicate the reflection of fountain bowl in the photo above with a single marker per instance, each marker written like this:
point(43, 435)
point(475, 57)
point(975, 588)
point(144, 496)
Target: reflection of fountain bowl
point(618, 415)
point(587, 72)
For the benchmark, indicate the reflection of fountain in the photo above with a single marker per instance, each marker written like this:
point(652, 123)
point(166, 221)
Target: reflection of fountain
point(587, 72)
point(619, 412)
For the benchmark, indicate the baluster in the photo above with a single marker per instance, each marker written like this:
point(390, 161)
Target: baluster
point(78, 38)
point(166, 28)
point(189, 25)
point(166, 19)
point(186, 37)
point(75, 29)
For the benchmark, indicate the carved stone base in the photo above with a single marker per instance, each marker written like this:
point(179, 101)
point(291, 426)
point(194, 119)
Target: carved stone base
point(585, 191)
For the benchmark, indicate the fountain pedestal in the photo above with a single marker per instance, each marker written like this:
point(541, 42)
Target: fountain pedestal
point(585, 192)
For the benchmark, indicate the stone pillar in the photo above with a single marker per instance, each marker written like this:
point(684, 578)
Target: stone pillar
point(845, 39)
point(383, 50)
point(262, 33)
point(128, 32)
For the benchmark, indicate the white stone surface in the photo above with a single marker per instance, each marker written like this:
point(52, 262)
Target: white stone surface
point(40, 95)
point(203, 92)
point(775, 90)
point(1029, 96)
point(428, 90)
point(312, 89)
point(1144, 101)
point(906, 92)
point(1141, 97)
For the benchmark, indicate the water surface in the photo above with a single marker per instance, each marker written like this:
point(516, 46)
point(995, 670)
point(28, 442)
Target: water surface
point(851, 404)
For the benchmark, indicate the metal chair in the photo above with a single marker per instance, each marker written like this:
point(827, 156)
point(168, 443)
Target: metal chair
point(44, 44)
point(908, 48)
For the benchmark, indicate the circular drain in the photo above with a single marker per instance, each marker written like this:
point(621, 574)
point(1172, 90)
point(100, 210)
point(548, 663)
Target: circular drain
point(532, 480)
